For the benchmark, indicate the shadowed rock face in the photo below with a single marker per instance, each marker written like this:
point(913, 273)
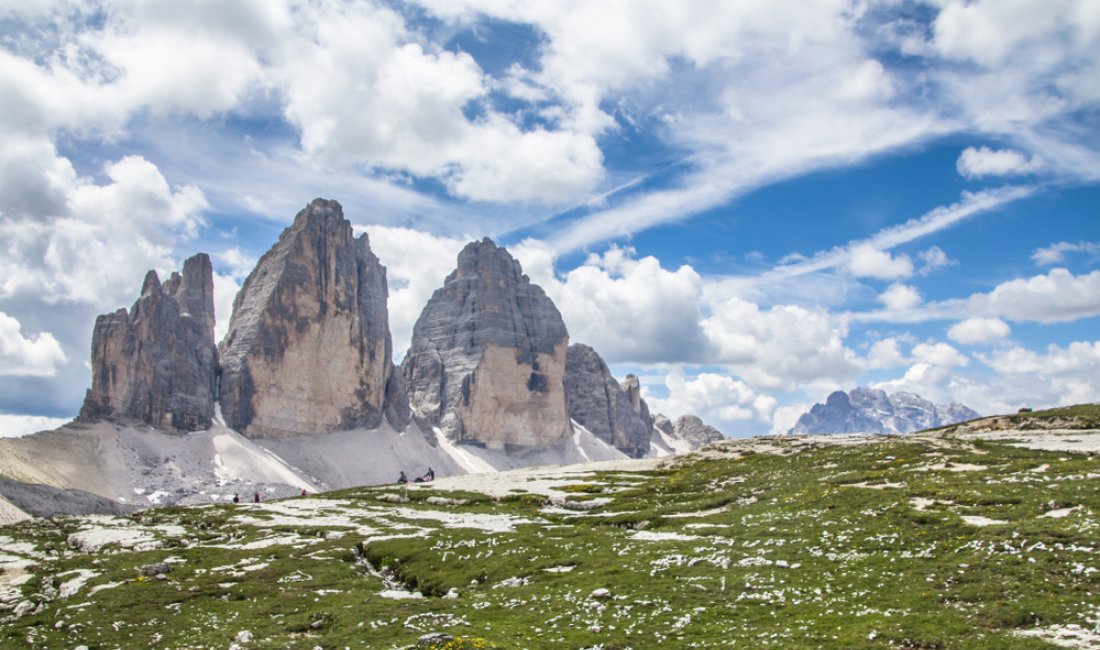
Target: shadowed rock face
point(488, 355)
point(309, 348)
point(615, 413)
point(157, 363)
point(689, 428)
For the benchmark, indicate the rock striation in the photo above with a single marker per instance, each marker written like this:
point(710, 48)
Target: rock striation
point(488, 355)
point(157, 363)
point(309, 348)
point(867, 410)
point(615, 413)
point(688, 428)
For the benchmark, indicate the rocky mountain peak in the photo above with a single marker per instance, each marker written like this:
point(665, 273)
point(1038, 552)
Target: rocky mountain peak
point(614, 412)
point(157, 363)
point(869, 410)
point(688, 428)
point(488, 354)
point(309, 347)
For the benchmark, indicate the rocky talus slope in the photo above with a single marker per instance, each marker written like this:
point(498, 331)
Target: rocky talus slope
point(615, 413)
point(867, 410)
point(157, 362)
point(309, 347)
point(488, 355)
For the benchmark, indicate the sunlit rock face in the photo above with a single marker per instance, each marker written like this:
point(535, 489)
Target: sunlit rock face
point(488, 354)
point(309, 348)
point(157, 362)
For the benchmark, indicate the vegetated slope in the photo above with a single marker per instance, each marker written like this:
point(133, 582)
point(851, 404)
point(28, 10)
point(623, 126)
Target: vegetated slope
point(1079, 416)
point(796, 542)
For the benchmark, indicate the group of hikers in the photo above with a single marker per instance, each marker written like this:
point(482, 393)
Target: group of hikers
point(256, 496)
point(428, 476)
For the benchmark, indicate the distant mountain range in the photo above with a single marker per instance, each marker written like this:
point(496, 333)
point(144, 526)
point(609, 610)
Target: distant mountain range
point(867, 410)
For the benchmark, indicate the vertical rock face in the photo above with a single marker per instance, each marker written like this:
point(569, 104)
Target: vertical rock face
point(488, 356)
point(615, 413)
point(157, 362)
point(309, 348)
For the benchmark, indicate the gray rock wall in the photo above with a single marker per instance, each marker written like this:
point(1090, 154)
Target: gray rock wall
point(615, 413)
point(309, 348)
point(488, 354)
point(157, 363)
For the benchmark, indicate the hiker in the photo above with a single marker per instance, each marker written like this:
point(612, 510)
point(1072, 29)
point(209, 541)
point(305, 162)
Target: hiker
point(429, 475)
point(303, 492)
point(402, 478)
point(236, 498)
point(256, 497)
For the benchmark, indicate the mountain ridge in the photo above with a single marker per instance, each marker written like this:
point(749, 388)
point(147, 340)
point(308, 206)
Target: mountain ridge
point(869, 410)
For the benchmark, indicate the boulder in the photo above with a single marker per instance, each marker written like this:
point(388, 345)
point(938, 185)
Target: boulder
point(613, 412)
point(488, 354)
point(309, 348)
point(157, 363)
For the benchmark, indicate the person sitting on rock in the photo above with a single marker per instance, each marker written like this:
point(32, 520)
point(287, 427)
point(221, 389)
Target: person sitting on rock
point(429, 475)
point(402, 478)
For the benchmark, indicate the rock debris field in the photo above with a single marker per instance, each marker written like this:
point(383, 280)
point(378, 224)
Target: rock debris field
point(937, 540)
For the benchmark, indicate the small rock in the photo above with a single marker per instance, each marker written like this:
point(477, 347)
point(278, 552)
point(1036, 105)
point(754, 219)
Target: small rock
point(595, 629)
point(318, 624)
point(601, 594)
point(452, 594)
point(23, 608)
point(244, 636)
point(158, 569)
point(434, 639)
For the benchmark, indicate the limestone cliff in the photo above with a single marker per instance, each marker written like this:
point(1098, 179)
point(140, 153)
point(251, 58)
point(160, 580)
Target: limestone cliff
point(615, 413)
point(309, 347)
point(157, 363)
point(488, 356)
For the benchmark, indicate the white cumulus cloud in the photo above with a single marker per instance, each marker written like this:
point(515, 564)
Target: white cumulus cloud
point(866, 261)
point(779, 347)
point(14, 426)
point(978, 330)
point(35, 355)
point(976, 163)
point(102, 238)
point(900, 296)
point(939, 354)
point(1055, 297)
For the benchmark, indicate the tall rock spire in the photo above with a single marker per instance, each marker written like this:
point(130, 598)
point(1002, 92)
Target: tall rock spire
point(614, 413)
point(487, 359)
point(309, 347)
point(157, 363)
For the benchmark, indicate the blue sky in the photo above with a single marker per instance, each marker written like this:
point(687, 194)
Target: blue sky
point(748, 205)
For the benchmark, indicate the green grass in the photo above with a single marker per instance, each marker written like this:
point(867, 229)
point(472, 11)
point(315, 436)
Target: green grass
point(778, 551)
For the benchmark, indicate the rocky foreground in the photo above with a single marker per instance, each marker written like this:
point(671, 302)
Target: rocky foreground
point(953, 539)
